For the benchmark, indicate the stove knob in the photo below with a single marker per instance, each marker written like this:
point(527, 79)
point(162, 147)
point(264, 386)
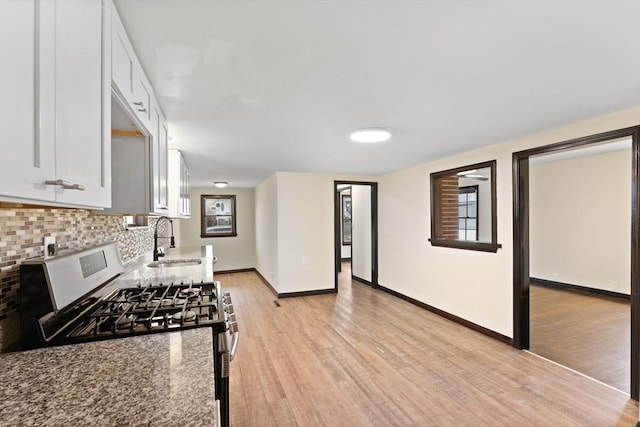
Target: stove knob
point(233, 327)
point(229, 309)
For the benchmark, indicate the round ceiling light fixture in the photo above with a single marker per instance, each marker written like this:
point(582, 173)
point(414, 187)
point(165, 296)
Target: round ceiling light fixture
point(220, 184)
point(370, 135)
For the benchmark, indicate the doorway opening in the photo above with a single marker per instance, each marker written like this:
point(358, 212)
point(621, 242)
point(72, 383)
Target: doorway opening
point(356, 230)
point(345, 227)
point(524, 224)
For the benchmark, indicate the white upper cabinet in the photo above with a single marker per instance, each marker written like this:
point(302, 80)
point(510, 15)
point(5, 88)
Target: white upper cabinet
point(184, 199)
point(83, 101)
point(159, 161)
point(143, 98)
point(163, 173)
point(179, 198)
point(55, 74)
point(134, 99)
point(123, 60)
point(129, 79)
point(27, 162)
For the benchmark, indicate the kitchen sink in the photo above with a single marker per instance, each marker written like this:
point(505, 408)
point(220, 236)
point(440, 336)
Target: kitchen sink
point(175, 263)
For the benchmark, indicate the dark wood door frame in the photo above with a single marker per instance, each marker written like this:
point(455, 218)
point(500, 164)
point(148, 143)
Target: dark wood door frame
point(337, 206)
point(521, 333)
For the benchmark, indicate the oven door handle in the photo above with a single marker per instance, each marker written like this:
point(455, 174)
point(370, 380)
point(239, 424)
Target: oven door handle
point(235, 336)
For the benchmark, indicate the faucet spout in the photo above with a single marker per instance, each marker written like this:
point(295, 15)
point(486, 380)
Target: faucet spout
point(156, 252)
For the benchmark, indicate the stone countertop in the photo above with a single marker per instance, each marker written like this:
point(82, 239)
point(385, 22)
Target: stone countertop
point(136, 271)
point(162, 379)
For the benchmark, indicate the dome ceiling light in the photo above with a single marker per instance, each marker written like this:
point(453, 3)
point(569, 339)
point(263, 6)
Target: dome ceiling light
point(220, 184)
point(370, 135)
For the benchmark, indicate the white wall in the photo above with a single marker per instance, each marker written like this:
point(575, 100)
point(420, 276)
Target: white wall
point(266, 220)
point(305, 232)
point(233, 253)
point(361, 231)
point(476, 286)
point(300, 240)
point(580, 221)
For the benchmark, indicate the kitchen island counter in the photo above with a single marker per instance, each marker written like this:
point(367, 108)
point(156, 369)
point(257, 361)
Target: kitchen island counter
point(163, 379)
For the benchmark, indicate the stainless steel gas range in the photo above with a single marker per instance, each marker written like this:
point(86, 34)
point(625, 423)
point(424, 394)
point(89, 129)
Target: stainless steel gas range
point(73, 299)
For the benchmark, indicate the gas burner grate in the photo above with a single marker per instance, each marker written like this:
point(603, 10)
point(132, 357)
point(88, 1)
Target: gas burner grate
point(151, 308)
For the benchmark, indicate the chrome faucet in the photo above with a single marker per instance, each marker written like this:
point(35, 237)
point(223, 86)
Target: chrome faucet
point(156, 252)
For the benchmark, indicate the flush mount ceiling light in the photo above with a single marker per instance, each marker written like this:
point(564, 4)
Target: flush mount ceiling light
point(220, 184)
point(370, 135)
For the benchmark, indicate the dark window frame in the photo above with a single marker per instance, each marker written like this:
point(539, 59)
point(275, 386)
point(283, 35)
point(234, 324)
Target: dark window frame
point(436, 219)
point(469, 189)
point(206, 216)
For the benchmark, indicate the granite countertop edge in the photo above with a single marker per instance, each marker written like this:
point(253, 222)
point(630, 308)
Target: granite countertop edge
point(162, 379)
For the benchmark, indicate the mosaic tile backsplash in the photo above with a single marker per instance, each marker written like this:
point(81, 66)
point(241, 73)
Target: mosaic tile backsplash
point(22, 231)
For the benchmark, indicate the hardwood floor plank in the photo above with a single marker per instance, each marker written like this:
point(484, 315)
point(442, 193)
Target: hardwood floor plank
point(588, 333)
point(365, 358)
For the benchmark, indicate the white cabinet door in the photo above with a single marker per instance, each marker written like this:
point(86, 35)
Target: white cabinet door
point(129, 78)
point(143, 95)
point(160, 163)
point(174, 182)
point(53, 130)
point(83, 154)
point(123, 59)
point(163, 196)
point(185, 196)
point(27, 156)
point(179, 203)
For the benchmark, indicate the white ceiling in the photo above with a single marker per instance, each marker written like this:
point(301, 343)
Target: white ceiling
point(254, 87)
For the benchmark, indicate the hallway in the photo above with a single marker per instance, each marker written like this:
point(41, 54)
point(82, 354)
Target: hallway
point(363, 357)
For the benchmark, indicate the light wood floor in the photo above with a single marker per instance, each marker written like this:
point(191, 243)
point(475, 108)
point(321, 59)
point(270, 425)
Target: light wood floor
point(365, 358)
point(588, 333)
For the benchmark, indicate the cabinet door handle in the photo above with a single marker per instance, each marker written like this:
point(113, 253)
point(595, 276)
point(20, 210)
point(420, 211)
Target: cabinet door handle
point(138, 103)
point(164, 208)
point(65, 184)
point(74, 187)
point(142, 110)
